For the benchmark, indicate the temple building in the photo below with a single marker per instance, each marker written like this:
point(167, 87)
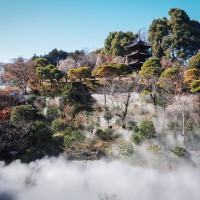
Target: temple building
point(139, 54)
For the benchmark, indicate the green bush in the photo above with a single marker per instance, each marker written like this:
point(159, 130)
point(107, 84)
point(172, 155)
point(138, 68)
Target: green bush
point(131, 125)
point(195, 86)
point(108, 116)
point(52, 113)
point(136, 138)
point(147, 130)
point(125, 148)
point(68, 131)
point(171, 126)
point(23, 113)
point(75, 136)
point(57, 126)
point(40, 133)
point(104, 135)
point(155, 149)
point(179, 151)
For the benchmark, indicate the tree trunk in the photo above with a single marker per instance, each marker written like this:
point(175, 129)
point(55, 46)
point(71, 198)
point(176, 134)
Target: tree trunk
point(126, 110)
point(183, 125)
point(105, 94)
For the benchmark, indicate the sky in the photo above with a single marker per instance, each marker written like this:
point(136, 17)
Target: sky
point(31, 27)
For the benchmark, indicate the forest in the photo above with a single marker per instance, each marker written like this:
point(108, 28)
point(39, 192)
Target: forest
point(92, 106)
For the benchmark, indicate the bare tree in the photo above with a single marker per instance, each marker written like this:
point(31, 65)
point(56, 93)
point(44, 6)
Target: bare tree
point(66, 65)
point(88, 60)
point(122, 96)
point(21, 70)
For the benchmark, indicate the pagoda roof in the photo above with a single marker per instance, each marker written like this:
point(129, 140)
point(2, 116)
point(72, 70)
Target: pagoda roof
point(136, 62)
point(139, 53)
point(140, 43)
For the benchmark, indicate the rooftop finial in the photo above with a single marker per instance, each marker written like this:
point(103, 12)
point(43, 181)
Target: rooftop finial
point(138, 39)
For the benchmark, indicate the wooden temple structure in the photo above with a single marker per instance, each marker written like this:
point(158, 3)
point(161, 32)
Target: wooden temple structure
point(139, 54)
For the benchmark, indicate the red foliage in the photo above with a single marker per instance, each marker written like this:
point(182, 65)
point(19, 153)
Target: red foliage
point(5, 114)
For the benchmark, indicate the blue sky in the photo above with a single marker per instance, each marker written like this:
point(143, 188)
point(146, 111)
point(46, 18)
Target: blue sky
point(38, 26)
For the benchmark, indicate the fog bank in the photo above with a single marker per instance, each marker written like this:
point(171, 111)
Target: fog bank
point(55, 178)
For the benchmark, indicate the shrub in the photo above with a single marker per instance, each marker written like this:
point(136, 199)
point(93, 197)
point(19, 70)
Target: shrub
point(90, 128)
point(136, 138)
point(5, 114)
point(195, 86)
point(136, 129)
point(23, 113)
point(68, 131)
point(104, 135)
point(147, 130)
point(125, 148)
point(108, 116)
point(171, 126)
point(194, 61)
point(40, 132)
point(131, 125)
point(52, 113)
point(155, 149)
point(179, 151)
point(31, 99)
point(75, 136)
point(57, 125)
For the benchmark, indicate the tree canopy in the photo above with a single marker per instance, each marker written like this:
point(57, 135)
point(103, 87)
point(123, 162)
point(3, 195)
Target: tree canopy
point(176, 38)
point(194, 61)
point(116, 42)
point(80, 73)
point(151, 67)
point(112, 70)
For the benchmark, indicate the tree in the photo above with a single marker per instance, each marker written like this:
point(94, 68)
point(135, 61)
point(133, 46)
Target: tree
point(122, 96)
point(48, 74)
point(149, 73)
point(13, 136)
point(116, 42)
point(56, 74)
point(151, 67)
point(191, 75)
point(39, 133)
point(194, 61)
point(87, 59)
point(147, 130)
point(23, 113)
point(108, 116)
point(40, 62)
point(157, 31)
point(80, 73)
point(40, 72)
point(176, 38)
point(55, 56)
point(22, 70)
point(66, 65)
point(171, 80)
point(7, 100)
point(73, 138)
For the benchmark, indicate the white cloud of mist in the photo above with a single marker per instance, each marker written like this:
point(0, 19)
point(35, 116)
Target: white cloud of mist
point(56, 178)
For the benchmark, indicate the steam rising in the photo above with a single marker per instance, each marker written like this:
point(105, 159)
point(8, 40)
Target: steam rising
point(55, 178)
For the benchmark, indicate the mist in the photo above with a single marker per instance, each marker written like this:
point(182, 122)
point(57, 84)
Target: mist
point(56, 178)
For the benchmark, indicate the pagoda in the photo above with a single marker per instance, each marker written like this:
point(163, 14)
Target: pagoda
point(139, 54)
